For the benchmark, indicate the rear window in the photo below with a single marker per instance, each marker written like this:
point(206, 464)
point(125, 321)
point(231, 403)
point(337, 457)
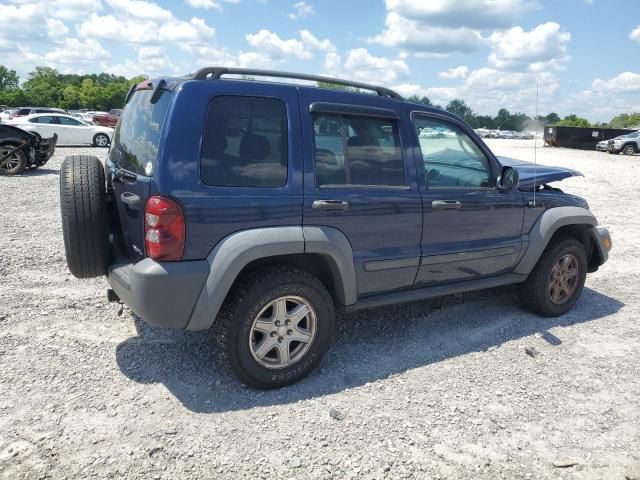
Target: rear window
point(245, 143)
point(137, 136)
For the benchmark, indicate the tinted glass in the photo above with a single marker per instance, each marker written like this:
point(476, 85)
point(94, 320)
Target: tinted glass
point(245, 143)
point(136, 139)
point(352, 150)
point(44, 120)
point(69, 121)
point(451, 158)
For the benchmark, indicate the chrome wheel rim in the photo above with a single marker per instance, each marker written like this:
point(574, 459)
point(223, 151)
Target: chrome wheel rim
point(9, 163)
point(563, 279)
point(102, 140)
point(629, 150)
point(283, 331)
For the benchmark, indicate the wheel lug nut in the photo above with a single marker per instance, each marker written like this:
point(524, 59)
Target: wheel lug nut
point(279, 339)
point(277, 323)
point(287, 322)
point(273, 334)
point(289, 332)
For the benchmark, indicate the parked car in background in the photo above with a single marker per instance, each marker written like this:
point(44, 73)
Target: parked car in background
point(5, 115)
point(84, 116)
point(107, 119)
point(25, 111)
point(70, 131)
point(21, 150)
point(627, 144)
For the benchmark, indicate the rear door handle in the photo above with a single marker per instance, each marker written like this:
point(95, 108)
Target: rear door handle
point(130, 199)
point(335, 205)
point(446, 205)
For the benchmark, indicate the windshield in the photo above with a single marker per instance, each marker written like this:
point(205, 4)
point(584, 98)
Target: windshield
point(137, 136)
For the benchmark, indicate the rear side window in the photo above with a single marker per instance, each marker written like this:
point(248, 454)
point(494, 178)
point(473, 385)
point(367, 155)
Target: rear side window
point(44, 120)
point(137, 136)
point(245, 143)
point(353, 150)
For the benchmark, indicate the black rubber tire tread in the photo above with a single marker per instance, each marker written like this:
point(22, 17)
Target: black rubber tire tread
point(83, 205)
point(246, 298)
point(534, 292)
point(18, 169)
point(95, 144)
point(629, 150)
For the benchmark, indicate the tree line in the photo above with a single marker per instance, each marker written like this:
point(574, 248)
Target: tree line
point(506, 120)
point(46, 87)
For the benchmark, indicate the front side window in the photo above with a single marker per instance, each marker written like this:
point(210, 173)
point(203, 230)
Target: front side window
point(451, 158)
point(245, 143)
point(357, 150)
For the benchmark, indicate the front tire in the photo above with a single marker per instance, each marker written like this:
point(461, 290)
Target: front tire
point(629, 150)
point(275, 327)
point(15, 164)
point(101, 140)
point(557, 280)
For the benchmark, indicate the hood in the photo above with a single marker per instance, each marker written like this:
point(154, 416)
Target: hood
point(543, 174)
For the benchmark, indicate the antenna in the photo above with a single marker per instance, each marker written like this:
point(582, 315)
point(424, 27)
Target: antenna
point(535, 151)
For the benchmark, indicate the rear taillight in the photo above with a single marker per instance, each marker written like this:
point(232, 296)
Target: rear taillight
point(164, 230)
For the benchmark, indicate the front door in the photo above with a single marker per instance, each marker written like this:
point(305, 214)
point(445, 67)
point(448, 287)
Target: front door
point(470, 228)
point(360, 179)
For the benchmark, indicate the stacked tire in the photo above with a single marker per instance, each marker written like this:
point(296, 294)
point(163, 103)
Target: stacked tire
point(85, 218)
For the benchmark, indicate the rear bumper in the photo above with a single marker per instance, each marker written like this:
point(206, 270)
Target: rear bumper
point(602, 241)
point(163, 294)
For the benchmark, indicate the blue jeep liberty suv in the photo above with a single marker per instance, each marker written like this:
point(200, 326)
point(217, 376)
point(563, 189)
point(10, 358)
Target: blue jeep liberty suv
point(259, 207)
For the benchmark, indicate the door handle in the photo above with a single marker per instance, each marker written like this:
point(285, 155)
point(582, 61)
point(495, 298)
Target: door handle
point(335, 205)
point(130, 199)
point(446, 205)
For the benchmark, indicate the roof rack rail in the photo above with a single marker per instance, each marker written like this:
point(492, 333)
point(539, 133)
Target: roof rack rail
point(214, 73)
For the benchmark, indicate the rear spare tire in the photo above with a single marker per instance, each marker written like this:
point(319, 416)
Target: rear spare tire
point(83, 205)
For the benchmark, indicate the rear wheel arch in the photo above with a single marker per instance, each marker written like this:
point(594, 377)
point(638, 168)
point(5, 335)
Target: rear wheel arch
point(326, 254)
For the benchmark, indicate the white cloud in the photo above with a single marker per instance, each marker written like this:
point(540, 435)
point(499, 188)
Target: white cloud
point(626, 82)
point(140, 9)
point(269, 43)
point(477, 14)
point(446, 26)
point(56, 29)
point(460, 72)
point(74, 51)
point(72, 9)
point(635, 34)
point(301, 10)
point(311, 41)
point(362, 66)
point(208, 4)
point(540, 49)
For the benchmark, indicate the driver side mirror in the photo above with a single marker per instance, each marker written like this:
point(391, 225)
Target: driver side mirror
point(508, 180)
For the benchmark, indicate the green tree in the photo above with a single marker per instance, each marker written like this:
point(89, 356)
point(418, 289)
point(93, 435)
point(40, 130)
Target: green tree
point(420, 100)
point(625, 120)
point(574, 121)
point(8, 79)
point(552, 118)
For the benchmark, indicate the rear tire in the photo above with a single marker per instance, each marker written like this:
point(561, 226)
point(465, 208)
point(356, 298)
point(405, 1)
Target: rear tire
point(547, 281)
point(101, 140)
point(249, 318)
point(15, 164)
point(83, 204)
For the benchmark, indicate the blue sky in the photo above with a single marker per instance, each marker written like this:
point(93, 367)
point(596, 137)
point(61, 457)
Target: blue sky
point(583, 53)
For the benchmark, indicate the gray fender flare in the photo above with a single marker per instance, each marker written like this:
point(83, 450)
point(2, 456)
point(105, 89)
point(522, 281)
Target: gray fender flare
point(544, 228)
point(237, 250)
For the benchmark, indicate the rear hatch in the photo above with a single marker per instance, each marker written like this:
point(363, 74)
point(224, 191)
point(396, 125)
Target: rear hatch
point(132, 163)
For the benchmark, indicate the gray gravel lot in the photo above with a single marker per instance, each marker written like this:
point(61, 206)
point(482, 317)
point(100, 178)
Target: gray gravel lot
point(438, 389)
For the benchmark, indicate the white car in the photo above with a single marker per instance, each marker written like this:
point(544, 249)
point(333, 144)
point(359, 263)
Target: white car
point(6, 115)
point(70, 131)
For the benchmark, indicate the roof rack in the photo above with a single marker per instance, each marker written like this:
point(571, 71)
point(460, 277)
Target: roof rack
point(214, 73)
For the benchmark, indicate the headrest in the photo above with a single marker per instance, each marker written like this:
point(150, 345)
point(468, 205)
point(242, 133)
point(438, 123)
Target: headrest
point(254, 147)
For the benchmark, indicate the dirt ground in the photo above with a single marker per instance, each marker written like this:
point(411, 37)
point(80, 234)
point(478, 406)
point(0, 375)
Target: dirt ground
point(437, 389)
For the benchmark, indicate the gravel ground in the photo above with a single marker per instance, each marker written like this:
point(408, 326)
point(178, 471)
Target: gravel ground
point(438, 389)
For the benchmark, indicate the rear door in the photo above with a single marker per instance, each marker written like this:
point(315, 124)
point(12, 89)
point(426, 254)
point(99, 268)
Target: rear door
point(131, 165)
point(360, 179)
